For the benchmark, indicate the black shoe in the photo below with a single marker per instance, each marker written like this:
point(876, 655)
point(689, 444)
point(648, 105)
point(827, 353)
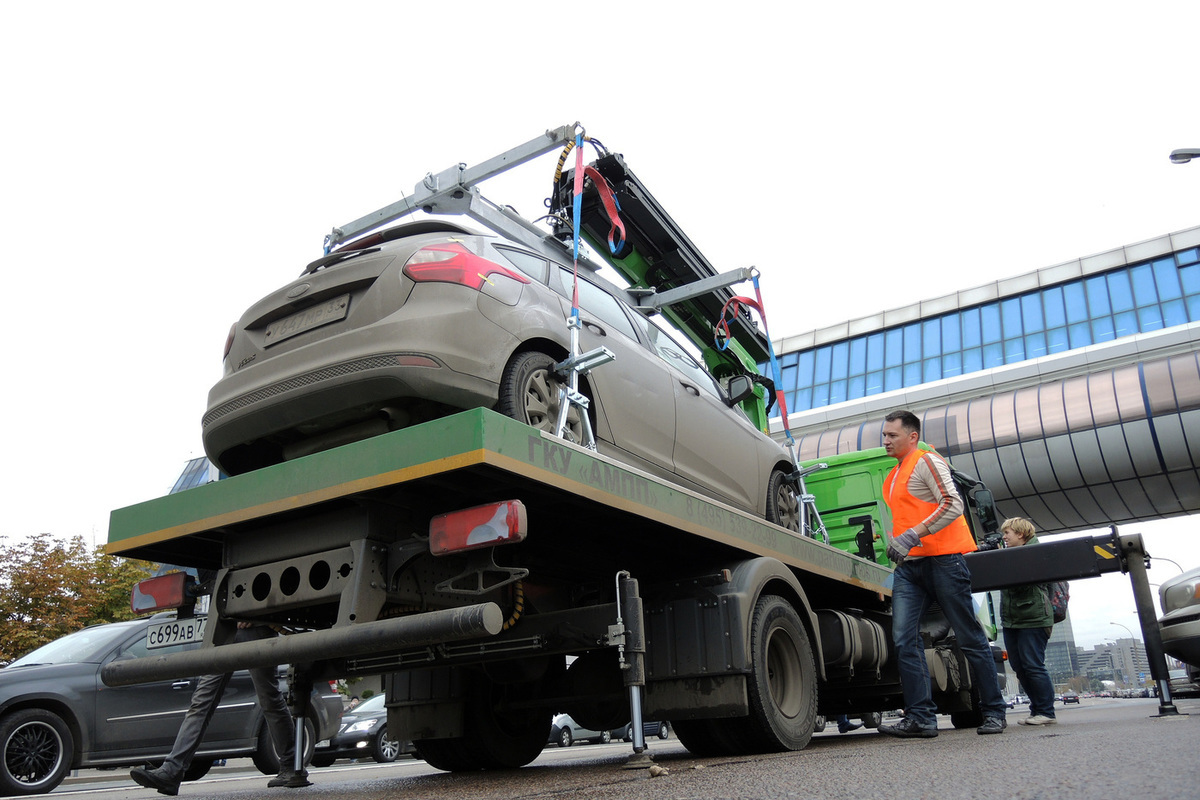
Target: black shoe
point(907, 729)
point(849, 726)
point(154, 779)
point(289, 779)
point(992, 725)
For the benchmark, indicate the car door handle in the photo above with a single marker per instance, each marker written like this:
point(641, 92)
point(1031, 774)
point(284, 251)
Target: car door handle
point(595, 328)
point(181, 685)
point(692, 390)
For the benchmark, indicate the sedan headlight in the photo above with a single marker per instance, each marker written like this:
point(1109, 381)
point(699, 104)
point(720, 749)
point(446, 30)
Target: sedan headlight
point(1174, 595)
point(358, 727)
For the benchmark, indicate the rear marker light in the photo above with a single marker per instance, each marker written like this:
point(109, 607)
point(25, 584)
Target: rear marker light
point(481, 526)
point(159, 594)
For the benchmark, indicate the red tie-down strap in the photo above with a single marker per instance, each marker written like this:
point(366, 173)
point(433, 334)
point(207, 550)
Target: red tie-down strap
point(616, 233)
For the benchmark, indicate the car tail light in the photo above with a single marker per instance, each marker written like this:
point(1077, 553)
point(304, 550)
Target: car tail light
point(481, 526)
point(450, 262)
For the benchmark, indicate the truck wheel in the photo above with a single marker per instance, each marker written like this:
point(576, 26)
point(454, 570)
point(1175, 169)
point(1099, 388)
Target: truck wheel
point(783, 680)
point(36, 749)
point(491, 740)
point(783, 504)
point(708, 738)
point(267, 760)
point(529, 393)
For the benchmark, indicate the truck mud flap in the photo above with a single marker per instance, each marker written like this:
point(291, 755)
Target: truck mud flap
point(382, 636)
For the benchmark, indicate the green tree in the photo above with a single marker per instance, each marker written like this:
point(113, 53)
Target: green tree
point(49, 588)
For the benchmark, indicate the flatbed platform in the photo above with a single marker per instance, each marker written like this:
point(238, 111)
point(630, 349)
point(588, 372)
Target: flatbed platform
point(467, 459)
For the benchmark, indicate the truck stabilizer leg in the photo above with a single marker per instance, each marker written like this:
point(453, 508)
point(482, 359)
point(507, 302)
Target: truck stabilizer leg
point(299, 693)
point(633, 663)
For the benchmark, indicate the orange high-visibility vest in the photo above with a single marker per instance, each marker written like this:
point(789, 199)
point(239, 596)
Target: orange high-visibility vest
point(908, 511)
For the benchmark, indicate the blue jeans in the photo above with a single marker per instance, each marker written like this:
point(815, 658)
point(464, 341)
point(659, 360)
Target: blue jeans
point(918, 583)
point(1027, 654)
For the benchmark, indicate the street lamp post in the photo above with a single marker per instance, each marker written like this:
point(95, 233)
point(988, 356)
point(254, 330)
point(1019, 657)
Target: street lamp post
point(1119, 625)
point(1184, 156)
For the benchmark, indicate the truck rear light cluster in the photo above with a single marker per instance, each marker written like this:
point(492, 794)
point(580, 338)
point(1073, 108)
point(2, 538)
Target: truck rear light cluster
point(481, 526)
point(159, 594)
point(450, 262)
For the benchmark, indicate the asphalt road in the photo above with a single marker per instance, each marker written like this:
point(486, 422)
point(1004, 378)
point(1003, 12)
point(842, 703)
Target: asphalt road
point(1103, 748)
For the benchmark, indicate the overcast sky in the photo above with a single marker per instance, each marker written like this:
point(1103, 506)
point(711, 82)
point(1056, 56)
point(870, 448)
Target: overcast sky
point(165, 165)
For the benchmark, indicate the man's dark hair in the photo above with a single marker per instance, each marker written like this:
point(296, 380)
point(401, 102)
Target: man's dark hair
point(908, 420)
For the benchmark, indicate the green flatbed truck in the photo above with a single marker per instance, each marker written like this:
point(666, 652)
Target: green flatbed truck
point(738, 631)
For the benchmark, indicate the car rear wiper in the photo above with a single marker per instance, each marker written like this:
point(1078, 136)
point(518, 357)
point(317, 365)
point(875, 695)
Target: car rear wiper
point(334, 258)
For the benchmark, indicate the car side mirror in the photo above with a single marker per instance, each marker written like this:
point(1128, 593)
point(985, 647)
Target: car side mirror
point(740, 387)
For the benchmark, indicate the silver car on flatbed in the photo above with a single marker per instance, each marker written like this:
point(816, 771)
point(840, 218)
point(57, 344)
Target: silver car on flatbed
point(428, 318)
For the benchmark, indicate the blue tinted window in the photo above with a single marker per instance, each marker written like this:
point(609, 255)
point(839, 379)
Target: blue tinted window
point(1149, 318)
point(1035, 345)
point(856, 388)
point(841, 357)
point(1174, 313)
point(820, 395)
point(1010, 312)
point(912, 342)
point(1144, 292)
point(821, 367)
point(1097, 296)
point(892, 379)
point(1119, 291)
point(1126, 324)
point(1166, 278)
point(1076, 302)
point(804, 370)
point(802, 400)
point(1014, 350)
point(1102, 330)
point(993, 355)
point(972, 360)
point(1056, 340)
point(912, 374)
point(970, 328)
point(894, 347)
point(1052, 301)
point(1031, 313)
point(1081, 335)
point(951, 333)
point(1193, 307)
point(874, 382)
point(1189, 277)
point(990, 321)
point(951, 365)
point(875, 352)
point(858, 356)
point(931, 338)
point(1188, 256)
point(837, 392)
point(933, 370)
point(789, 359)
point(789, 379)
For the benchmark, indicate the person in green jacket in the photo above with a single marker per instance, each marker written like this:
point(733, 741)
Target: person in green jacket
point(1028, 621)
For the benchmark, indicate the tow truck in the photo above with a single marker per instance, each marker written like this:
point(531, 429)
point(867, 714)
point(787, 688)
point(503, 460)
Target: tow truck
point(497, 575)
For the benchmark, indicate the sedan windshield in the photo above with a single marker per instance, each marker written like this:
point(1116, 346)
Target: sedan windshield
point(86, 646)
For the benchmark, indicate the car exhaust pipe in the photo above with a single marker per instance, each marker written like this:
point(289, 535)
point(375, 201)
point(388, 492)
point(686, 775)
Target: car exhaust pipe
point(383, 636)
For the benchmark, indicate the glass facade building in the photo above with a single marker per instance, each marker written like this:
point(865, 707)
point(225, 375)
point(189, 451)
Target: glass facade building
point(1139, 298)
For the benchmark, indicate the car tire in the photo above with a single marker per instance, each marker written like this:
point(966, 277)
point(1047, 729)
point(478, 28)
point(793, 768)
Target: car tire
point(664, 730)
point(819, 725)
point(267, 760)
point(872, 719)
point(383, 749)
point(604, 738)
point(564, 738)
point(783, 503)
point(529, 390)
point(322, 761)
point(40, 743)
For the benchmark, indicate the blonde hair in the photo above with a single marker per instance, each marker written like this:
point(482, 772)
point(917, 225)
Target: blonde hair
point(1020, 526)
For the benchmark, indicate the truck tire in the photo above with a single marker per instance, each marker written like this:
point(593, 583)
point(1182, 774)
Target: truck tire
point(529, 393)
point(783, 680)
point(707, 738)
point(36, 750)
point(783, 504)
point(267, 760)
point(490, 740)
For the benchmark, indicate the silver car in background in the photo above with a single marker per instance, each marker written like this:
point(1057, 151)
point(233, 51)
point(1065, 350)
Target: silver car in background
point(427, 319)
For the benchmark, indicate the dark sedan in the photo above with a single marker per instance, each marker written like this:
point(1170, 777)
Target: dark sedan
point(57, 715)
point(363, 734)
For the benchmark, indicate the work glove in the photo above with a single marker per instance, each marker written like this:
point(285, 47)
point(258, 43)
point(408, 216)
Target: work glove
point(898, 548)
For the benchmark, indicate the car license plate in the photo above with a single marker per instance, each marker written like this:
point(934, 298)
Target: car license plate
point(176, 631)
point(312, 317)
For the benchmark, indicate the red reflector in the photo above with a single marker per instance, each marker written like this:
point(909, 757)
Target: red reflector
point(158, 594)
point(453, 263)
point(481, 526)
